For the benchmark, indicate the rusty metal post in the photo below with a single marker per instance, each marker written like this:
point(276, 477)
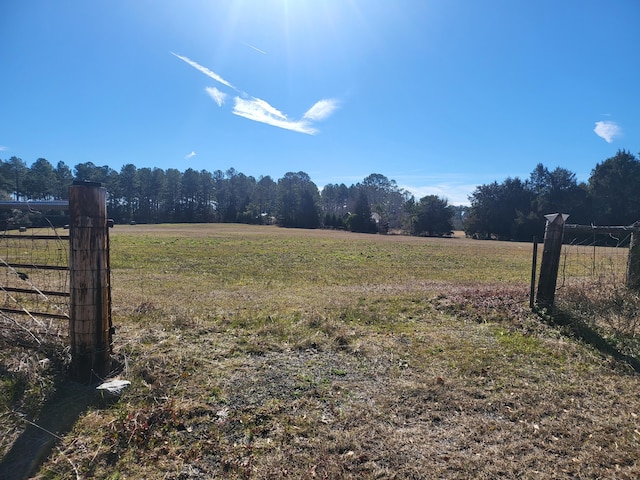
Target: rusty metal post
point(550, 264)
point(89, 323)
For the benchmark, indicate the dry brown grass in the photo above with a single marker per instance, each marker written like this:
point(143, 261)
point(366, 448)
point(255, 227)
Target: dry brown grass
point(273, 353)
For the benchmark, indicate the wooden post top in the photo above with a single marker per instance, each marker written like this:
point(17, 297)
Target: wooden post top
point(559, 218)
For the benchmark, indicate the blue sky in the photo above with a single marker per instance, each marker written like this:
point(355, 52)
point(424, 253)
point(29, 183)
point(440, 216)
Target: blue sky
point(439, 95)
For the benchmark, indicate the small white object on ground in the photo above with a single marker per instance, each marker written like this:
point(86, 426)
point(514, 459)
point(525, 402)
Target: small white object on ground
point(113, 388)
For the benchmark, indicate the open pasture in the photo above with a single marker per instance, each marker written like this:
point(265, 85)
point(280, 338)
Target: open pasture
point(262, 352)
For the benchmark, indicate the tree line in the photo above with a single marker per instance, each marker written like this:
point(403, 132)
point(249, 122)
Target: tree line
point(513, 209)
point(154, 195)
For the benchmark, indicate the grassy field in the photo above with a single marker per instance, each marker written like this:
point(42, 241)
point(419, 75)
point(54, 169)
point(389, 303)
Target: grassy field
point(261, 352)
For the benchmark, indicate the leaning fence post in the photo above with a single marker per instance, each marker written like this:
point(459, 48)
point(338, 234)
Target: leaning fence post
point(552, 247)
point(89, 322)
point(633, 262)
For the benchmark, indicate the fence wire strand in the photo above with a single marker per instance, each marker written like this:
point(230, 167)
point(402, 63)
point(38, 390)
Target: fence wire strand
point(596, 260)
point(34, 286)
point(592, 284)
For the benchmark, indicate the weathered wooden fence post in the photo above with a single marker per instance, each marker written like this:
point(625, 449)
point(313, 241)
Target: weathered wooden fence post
point(534, 265)
point(633, 262)
point(89, 324)
point(552, 248)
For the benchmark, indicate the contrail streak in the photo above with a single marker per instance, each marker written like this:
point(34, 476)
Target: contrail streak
point(256, 49)
point(206, 71)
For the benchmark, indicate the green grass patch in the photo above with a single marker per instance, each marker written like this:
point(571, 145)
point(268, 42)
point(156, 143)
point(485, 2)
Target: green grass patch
point(260, 352)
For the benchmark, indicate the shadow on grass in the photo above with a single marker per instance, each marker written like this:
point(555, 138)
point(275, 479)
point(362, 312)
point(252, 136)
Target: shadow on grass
point(61, 409)
point(56, 418)
point(578, 328)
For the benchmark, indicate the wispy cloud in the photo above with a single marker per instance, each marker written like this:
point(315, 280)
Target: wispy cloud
point(260, 110)
point(321, 110)
point(206, 71)
point(256, 48)
point(608, 130)
point(3, 148)
point(216, 95)
point(190, 155)
point(268, 109)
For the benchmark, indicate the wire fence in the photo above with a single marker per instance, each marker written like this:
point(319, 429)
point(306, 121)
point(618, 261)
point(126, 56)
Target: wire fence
point(51, 277)
point(594, 260)
point(592, 284)
point(34, 281)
